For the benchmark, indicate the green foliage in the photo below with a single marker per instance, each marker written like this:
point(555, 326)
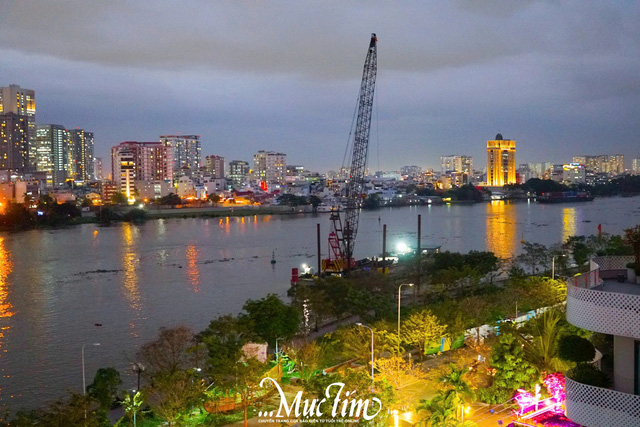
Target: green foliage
point(539, 186)
point(292, 200)
point(588, 374)
point(540, 337)
point(119, 199)
point(534, 255)
point(17, 217)
point(171, 199)
point(314, 201)
point(421, 329)
point(466, 192)
point(168, 353)
point(512, 369)
point(270, 318)
point(632, 239)
point(105, 386)
point(224, 338)
point(575, 348)
point(135, 215)
point(372, 201)
point(214, 198)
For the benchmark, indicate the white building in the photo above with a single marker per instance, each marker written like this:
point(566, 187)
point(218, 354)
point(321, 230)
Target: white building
point(270, 166)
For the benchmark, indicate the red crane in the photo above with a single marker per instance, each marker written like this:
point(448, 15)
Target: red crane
point(343, 233)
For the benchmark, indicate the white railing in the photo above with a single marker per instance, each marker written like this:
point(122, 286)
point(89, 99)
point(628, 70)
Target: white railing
point(600, 407)
point(602, 311)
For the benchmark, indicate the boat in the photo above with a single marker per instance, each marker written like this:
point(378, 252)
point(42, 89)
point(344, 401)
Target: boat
point(564, 197)
point(326, 208)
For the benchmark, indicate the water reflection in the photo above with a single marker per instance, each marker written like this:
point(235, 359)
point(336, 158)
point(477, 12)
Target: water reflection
point(192, 268)
point(6, 266)
point(568, 223)
point(130, 264)
point(501, 228)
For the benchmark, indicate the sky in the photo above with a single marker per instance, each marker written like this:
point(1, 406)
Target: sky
point(561, 78)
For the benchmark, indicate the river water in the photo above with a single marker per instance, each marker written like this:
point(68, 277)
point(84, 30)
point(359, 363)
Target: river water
point(60, 289)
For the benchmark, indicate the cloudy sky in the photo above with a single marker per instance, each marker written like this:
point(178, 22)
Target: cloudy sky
point(560, 77)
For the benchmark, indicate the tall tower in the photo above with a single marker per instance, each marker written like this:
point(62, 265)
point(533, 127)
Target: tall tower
point(501, 162)
point(81, 154)
point(186, 149)
point(22, 102)
point(52, 152)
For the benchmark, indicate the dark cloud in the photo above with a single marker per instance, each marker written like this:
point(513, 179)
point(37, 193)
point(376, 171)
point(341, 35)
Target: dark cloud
point(559, 77)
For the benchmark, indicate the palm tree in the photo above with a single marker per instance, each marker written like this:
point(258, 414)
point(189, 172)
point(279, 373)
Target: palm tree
point(540, 339)
point(456, 388)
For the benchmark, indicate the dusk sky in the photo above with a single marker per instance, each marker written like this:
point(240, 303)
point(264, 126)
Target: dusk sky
point(562, 78)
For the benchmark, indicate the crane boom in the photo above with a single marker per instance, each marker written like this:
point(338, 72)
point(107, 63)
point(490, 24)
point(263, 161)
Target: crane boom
point(342, 239)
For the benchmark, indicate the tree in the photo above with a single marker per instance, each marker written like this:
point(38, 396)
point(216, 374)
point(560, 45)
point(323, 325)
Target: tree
point(248, 376)
point(309, 357)
point(119, 199)
point(214, 198)
point(168, 353)
point(477, 310)
point(511, 367)
point(105, 386)
point(404, 376)
point(171, 199)
point(588, 374)
point(292, 200)
point(540, 338)
point(224, 338)
point(632, 238)
point(372, 201)
point(534, 255)
point(574, 348)
point(132, 404)
point(270, 318)
point(314, 201)
point(173, 396)
point(420, 329)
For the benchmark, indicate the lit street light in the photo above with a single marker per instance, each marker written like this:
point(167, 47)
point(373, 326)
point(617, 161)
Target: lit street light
point(365, 326)
point(399, 296)
point(553, 265)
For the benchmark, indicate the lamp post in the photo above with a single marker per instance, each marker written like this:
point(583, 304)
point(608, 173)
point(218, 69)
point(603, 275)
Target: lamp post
point(277, 347)
point(553, 265)
point(84, 382)
point(399, 296)
point(365, 326)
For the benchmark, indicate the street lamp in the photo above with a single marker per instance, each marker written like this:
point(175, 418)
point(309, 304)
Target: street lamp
point(84, 382)
point(399, 296)
point(365, 326)
point(553, 265)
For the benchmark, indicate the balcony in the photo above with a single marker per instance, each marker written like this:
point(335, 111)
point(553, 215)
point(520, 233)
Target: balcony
point(604, 305)
point(594, 406)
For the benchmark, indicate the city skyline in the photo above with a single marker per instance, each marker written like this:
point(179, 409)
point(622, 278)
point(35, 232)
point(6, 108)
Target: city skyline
point(556, 78)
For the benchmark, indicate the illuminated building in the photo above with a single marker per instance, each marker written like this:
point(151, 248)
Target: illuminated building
point(238, 171)
point(501, 162)
point(133, 161)
point(574, 173)
point(22, 102)
point(52, 152)
point(635, 165)
point(187, 151)
point(14, 142)
point(214, 166)
point(456, 163)
point(270, 166)
point(612, 164)
point(80, 155)
point(97, 168)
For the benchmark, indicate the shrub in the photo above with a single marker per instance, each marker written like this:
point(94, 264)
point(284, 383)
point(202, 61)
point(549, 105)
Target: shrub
point(589, 375)
point(576, 349)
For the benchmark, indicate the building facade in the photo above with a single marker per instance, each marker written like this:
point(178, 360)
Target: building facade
point(14, 142)
point(456, 163)
point(133, 161)
point(612, 164)
point(270, 166)
point(187, 151)
point(80, 155)
point(238, 172)
point(501, 162)
point(52, 152)
point(214, 165)
point(22, 102)
point(635, 165)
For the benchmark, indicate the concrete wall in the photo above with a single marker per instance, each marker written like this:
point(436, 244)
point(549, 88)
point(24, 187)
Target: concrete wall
point(623, 364)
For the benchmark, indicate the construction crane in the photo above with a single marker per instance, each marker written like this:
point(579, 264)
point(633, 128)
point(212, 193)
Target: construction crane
point(343, 233)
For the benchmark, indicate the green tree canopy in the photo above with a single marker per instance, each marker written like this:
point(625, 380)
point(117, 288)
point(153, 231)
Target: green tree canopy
point(270, 318)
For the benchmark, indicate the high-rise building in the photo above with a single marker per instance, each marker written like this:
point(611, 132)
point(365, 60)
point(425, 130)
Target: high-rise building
point(501, 161)
point(52, 152)
point(411, 171)
point(22, 102)
point(238, 171)
point(140, 161)
point(456, 163)
point(612, 164)
point(214, 165)
point(186, 151)
point(80, 154)
point(270, 166)
point(97, 168)
point(635, 165)
point(14, 142)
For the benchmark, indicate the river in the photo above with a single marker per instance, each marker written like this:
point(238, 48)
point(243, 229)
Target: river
point(60, 289)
